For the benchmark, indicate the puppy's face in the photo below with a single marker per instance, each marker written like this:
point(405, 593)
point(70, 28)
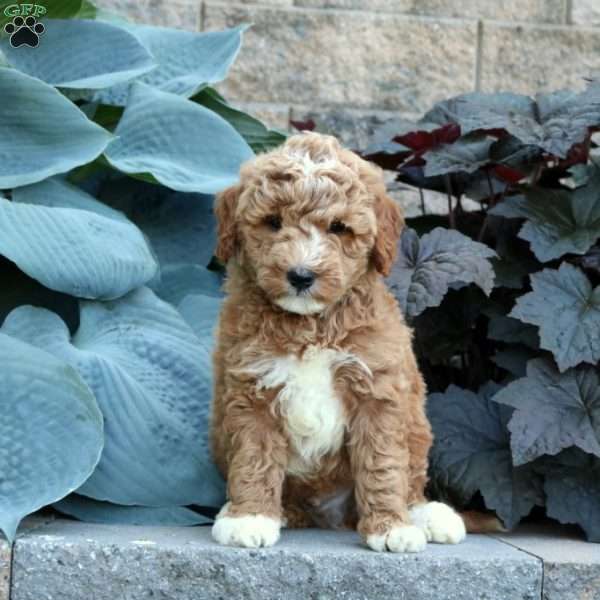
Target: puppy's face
point(307, 221)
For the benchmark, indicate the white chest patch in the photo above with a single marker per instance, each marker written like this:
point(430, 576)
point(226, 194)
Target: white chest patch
point(313, 412)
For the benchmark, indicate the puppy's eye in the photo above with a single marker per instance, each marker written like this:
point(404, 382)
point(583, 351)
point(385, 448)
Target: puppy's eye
point(274, 222)
point(338, 227)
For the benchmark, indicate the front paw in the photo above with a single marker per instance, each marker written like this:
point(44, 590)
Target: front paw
point(248, 531)
point(399, 538)
point(439, 522)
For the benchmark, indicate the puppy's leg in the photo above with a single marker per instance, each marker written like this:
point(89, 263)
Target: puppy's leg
point(380, 462)
point(295, 517)
point(256, 466)
point(438, 521)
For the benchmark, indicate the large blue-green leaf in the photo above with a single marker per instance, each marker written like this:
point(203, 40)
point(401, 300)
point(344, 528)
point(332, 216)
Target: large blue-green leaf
point(181, 227)
point(152, 380)
point(179, 280)
point(50, 431)
point(181, 144)
point(93, 511)
point(43, 133)
point(196, 293)
point(201, 312)
point(81, 54)
point(72, 243)
point(252, 130)
point(187, 60)
point(427, 267)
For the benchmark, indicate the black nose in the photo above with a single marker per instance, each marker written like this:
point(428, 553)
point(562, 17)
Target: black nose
point(301, 279)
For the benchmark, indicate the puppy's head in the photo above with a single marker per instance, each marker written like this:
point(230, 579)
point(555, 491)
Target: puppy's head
point(307, 221)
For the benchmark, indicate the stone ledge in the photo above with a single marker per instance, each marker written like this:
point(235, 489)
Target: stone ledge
point(571, 565)
point(5, 563)
point(71, 560)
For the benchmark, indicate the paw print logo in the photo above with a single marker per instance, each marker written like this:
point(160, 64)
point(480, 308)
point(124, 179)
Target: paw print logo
point(24, 32)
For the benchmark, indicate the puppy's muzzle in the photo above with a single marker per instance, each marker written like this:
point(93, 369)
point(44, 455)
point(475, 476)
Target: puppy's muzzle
point(301, 279)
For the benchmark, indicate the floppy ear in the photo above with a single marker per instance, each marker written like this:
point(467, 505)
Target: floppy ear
point(390, 222)
point(227, 240)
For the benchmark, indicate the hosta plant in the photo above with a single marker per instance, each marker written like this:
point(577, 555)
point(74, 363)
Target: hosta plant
point(505, 301)
point(112, 146)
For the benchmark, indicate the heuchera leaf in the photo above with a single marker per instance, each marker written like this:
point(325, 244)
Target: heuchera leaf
point(440, 338)
point(478, 111)
point(471, 453)
point(427, 267)
point(514, 359)
point(572, 488)
point(423, 136)
point(558, 221)
point(566, 308)
point(66, 59)
point(554, 122)
point(398, 139)
point(50, 431)
point(94, 511)
point(554, 411)
point(43, 133)
point(513, 331)
point(467, 154)
point(151, 377)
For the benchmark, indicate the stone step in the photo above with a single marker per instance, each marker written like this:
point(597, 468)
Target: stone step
point(68, 560)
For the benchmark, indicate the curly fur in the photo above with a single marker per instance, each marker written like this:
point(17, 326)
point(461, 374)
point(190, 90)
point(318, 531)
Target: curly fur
point(318, 414)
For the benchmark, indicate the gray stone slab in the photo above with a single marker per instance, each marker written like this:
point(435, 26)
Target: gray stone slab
point(5, 559)
point(67, 560)
point(6, 552)
point(571, 565)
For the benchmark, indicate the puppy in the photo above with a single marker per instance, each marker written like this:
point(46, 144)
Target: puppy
point(318, 416)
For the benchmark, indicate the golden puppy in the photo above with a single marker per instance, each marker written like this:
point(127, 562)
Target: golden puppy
point(318, 415)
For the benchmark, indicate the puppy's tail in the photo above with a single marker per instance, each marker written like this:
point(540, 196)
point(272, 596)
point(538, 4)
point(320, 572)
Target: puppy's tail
point(480, 522)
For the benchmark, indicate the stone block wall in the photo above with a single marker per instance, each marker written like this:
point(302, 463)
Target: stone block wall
point(355, 63)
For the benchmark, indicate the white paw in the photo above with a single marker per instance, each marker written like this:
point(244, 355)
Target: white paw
point(439, 522)
point(249, 531)
point(402, 538)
